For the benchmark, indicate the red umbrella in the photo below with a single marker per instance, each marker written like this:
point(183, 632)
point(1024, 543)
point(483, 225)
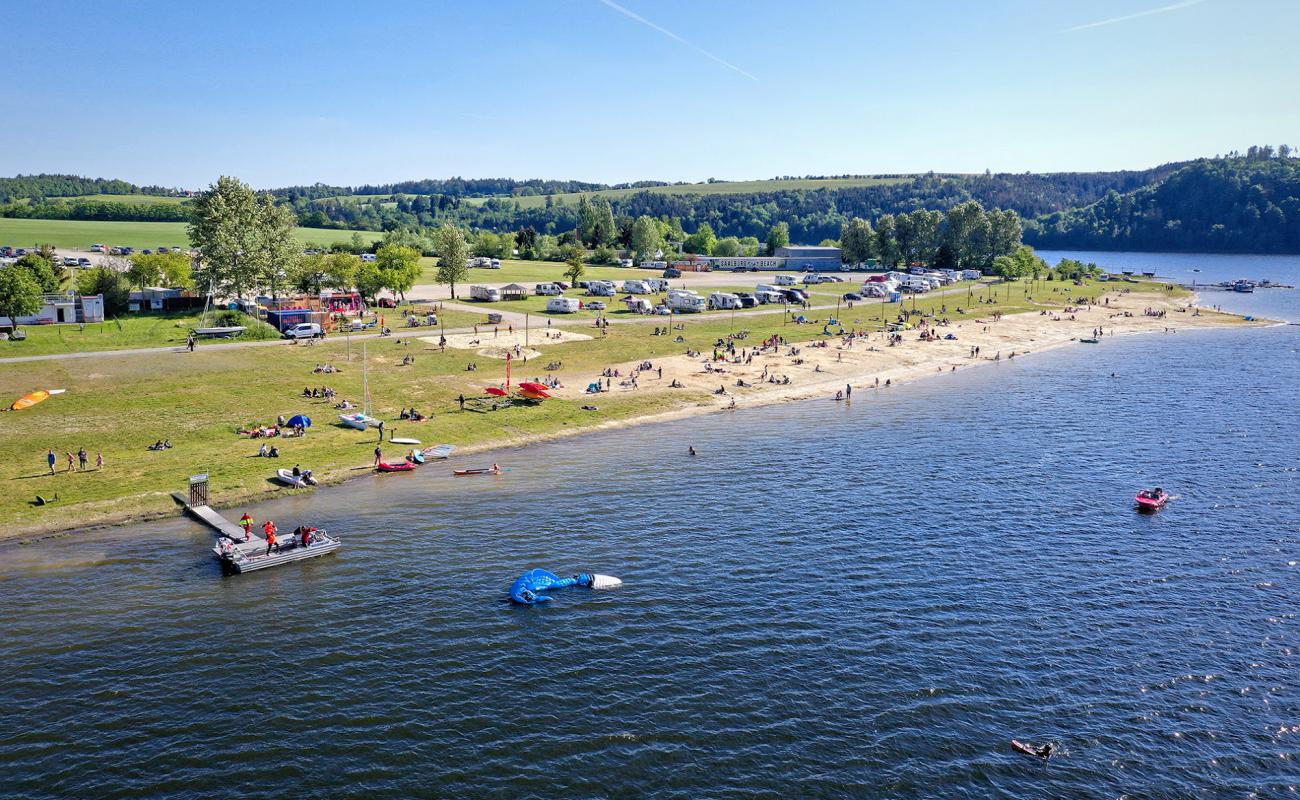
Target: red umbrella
point(496, 391)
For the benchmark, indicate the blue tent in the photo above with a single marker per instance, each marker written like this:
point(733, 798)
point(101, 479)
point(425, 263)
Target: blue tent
point(299, 419)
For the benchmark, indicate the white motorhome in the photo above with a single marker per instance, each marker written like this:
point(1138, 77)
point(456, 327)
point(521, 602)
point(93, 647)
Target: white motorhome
point(724, 300)
point(600, 288)
point(971, 274)
point(562, 305)
point(485, 294)
point(547, 290)
point(685, 301)
point(916, 284)
point(639, 305)
point(657, 284)
point(769, 297)
point(785, 280)
point(636, 287)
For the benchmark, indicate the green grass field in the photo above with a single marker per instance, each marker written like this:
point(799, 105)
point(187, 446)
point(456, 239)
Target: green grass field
point(80, 235)
point(118, 404)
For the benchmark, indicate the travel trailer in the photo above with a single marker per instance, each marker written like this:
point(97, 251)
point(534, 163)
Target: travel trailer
point(485, 294)
point(562, 305)
point(685, 302)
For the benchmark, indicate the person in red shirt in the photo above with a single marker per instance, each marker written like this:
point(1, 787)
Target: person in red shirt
point(247, 522)
point(269, 529)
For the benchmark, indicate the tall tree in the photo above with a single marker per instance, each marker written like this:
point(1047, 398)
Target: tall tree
point(887, 248)
point(702, 241)
point(41, 270)
point(856, 241)
point(779, 236)
point(223, 227)
point(727, 247)
point(452, 255)
point(20, 295)
point(574, 255)
point(275, 248)
point(646, 238)
point(966, 234)
point(400, 267)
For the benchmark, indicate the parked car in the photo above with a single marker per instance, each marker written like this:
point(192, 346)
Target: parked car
point(305, 330)
point(594, 305)
point(852, 296)
point(672, 273)
point(564, 287)
point(83, 262)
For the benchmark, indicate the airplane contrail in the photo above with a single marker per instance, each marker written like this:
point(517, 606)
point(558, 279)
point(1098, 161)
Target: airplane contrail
point(1148, 13)
point(638, 18)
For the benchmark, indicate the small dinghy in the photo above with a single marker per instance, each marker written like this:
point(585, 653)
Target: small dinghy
point(527, 590)
point(1090, 340)
point(358, 420)
point(416, 458)
point(386, 466)
point(300, 481)
point(1152, 499)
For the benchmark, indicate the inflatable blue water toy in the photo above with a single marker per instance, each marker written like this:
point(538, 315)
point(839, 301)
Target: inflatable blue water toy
point(527, 590)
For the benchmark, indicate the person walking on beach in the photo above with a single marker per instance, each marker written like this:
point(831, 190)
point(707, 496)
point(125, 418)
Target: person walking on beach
point(83, 459)
point(71, 466)
point(52, 459)
point(99, 460)
point(461, 400)
point(848, 390)
point(379, 455)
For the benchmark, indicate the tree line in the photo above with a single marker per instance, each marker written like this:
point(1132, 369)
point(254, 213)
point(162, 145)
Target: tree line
point(1248, 203)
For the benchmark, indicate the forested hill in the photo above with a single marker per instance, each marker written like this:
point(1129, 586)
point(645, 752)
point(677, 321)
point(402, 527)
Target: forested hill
point(1244, 204)
point(39, 187)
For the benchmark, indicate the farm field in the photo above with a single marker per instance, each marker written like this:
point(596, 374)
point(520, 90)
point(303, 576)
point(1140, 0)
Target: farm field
point(80, 234)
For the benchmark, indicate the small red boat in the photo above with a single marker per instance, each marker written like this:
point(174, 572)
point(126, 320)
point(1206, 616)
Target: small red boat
point(385, 466)
point(1152, 499)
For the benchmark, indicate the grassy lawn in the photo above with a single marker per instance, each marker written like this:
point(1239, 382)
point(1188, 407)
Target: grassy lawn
point(118, 405)
point(80, 235)
point(153, 330)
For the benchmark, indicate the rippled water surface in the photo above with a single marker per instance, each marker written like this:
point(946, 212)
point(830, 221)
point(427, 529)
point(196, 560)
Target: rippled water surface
point(831, 600)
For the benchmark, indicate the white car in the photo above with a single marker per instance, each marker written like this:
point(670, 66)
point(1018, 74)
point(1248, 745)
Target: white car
point(305, 330)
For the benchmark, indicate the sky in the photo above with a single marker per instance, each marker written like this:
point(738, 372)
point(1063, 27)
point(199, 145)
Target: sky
point(282, 93)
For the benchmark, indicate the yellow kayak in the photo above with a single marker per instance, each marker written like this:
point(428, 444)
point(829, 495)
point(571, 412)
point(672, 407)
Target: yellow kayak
point(29, 400)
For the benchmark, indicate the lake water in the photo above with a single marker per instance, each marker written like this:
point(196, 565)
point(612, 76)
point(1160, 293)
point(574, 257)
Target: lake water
point(837, 600)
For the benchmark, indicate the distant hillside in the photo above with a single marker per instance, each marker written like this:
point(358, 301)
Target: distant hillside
point(38, 187)
point(1245, 204)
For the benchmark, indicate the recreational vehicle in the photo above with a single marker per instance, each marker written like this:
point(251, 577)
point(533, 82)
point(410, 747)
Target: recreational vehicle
point(485, 294)
point(547, 290)
point(724, 300)
point(600, 288)
point(683, 301)
point(636, 287)
point(562, 305)
point(785, 280)
point(638, 305)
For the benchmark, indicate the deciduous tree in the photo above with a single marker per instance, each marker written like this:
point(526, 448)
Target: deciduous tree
point(452, 255)
point(20, 294)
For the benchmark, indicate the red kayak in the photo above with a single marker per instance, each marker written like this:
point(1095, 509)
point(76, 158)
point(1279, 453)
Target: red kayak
point(1152, 499)
point(404, 466)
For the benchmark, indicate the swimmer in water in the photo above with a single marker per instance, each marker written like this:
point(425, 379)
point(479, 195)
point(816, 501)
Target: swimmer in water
point(690, 450)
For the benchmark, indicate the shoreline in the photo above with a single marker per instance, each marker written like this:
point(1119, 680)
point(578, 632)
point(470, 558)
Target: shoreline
point(823, 371)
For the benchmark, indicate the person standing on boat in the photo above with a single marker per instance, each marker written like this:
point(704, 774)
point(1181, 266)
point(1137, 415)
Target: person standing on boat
point(269, 529)
point(247, 523)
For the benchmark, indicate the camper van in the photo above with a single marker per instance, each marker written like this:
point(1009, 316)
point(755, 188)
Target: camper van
point(723, 300)
point(785, 280)
point(769, 297)
point(685, 302)
point(547, 290)
point(562, 305)
point(638, 305)
point(636, 287)
point(485, 294)
point(656, 284)
point(600, 288)
point(916, 285)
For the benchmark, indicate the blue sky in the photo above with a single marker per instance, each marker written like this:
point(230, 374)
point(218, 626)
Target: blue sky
point(276, 93)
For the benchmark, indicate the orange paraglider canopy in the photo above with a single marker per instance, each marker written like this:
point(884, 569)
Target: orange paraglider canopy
point(496, 391)
point(29, 400)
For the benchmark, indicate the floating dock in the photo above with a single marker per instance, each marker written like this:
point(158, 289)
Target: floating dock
point(239, 556)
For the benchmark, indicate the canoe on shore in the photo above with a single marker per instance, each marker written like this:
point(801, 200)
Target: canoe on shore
point(386, 466)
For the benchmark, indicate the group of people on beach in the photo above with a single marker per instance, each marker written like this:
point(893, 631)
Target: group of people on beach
point(80, 464)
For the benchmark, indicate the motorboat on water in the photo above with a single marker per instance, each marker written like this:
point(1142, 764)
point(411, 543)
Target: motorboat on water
point(1152, 499)
point(239, 556)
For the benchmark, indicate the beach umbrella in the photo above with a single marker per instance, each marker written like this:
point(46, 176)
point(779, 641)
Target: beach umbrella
point(496, 391)
point(299, 419)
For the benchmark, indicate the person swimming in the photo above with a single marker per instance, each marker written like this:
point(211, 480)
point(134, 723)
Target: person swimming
point(690, 451)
